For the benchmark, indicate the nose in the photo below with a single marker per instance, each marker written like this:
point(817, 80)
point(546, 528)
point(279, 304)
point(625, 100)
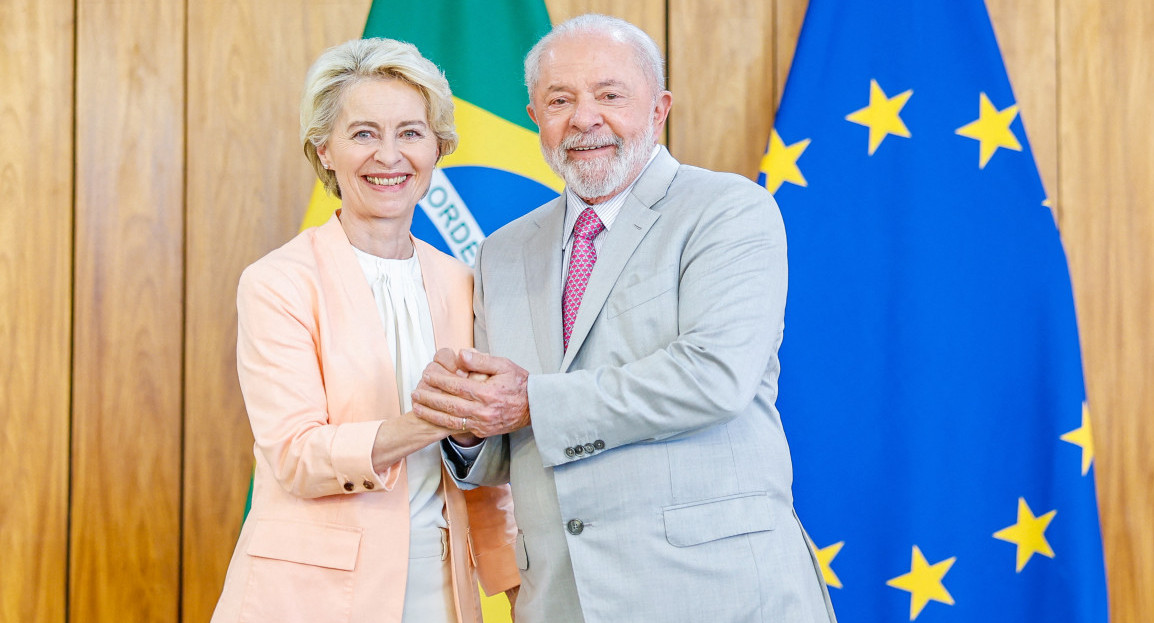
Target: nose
point(388, 151)
point(586, 115)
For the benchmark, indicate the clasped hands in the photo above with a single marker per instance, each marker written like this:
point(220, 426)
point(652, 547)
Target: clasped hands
point(472, 392)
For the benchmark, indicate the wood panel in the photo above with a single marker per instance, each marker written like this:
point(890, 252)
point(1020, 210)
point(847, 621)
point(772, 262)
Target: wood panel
point(1106, 171)
point(721, 76)
point(248, 187)
point(36, 69)
point(126, 446)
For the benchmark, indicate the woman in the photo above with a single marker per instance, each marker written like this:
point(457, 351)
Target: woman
point(352, 517)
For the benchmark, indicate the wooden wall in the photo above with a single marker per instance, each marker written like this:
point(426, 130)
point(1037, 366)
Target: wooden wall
point(148, 153)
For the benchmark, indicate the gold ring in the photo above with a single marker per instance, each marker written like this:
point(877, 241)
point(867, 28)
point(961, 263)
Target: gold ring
point(463, 420)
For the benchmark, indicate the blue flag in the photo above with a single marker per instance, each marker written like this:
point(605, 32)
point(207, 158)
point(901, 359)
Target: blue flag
point(931, 382)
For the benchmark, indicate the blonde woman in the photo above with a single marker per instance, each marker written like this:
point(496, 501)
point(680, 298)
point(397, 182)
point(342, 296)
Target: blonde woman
point(353, 517)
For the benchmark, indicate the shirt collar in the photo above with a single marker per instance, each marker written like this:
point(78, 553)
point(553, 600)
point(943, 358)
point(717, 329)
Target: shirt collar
point(607, 210)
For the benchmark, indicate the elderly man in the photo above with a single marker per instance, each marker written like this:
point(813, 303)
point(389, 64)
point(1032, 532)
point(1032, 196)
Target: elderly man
point(632, 328)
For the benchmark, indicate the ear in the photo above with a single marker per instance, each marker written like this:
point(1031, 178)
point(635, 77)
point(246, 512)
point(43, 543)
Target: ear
point(661, 111)
point(322, 153)
point(532, 114)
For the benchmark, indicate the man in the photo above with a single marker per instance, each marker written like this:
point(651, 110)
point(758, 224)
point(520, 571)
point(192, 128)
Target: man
point(650, 474)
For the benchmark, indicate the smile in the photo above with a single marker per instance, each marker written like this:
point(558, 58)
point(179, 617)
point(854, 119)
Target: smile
point(386, 181)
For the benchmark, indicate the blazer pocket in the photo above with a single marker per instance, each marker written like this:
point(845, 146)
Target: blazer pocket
point(320, 545)
point(630, 295)
point(709, 520)
point(521, 553)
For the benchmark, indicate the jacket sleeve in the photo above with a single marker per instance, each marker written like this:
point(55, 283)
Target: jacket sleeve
point(730, 305)
point(281, 378)
point(492, 534)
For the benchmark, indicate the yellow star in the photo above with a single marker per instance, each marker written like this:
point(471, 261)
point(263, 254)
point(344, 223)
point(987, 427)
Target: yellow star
point(780, 162)
point(1084, 438)
point(992, 130)
point(1028, 534)
point(881, 116)
point(924, 582)
point(825, 556)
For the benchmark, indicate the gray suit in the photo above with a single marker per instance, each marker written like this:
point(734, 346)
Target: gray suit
point(655, 481)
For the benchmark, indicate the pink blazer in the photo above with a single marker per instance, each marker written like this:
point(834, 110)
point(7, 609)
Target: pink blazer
point(328, 537)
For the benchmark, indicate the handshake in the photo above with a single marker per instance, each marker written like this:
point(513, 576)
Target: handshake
point(474, 394)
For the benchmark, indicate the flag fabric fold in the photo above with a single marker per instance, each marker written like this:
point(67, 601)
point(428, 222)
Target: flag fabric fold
point(931, 383)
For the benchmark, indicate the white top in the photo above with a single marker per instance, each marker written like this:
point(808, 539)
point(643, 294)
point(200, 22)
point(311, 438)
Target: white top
point(404, 311)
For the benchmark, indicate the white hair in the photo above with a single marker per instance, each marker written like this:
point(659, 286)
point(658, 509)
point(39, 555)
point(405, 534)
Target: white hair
point(648, 56)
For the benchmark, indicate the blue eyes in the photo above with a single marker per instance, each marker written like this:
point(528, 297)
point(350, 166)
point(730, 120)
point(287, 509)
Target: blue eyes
point(364, 136)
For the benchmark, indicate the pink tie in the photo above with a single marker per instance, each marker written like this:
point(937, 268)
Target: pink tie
point(581, 262)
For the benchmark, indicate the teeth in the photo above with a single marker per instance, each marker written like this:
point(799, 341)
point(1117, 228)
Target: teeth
point(386, 181)
point(587, 148)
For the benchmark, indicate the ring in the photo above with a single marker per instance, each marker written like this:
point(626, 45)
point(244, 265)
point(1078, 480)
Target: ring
point(463, 420)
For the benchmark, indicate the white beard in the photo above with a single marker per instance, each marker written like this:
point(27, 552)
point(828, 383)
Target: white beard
point(591, 179)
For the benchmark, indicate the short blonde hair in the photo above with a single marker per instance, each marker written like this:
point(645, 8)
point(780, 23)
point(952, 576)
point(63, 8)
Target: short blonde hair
point(340, 67)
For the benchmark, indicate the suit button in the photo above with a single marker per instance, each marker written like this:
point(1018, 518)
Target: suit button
point(600, 445)
point(578, 449)
point(368, 484)
point(575, 526)
point(589, 448)
point(569, 452)
point(349, 486)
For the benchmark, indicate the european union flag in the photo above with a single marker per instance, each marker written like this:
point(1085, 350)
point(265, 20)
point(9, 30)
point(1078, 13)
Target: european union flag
point(931, 380)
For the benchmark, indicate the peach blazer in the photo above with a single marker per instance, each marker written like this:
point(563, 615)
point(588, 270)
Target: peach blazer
point(328, 537)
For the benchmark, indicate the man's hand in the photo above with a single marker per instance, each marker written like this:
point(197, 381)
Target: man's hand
point(473, 392)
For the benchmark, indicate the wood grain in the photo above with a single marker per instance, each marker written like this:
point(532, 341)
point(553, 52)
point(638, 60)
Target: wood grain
point(248, 187)
point(721, 76)
point(1106, 177)
point(143, 293)
point(36, 68)
point(126, 445)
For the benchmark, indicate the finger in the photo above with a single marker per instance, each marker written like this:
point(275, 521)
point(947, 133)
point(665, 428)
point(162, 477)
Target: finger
point(447, 359)
point(436, 417)
point(455, 384)
point(475, 361)
point(447, 403)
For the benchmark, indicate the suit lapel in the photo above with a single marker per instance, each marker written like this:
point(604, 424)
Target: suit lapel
point(629, 229)
point(357, 310)
point(435, 294)
point(542, 262)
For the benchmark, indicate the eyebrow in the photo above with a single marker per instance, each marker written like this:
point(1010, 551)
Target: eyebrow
point(610, 82)
point(375, 125)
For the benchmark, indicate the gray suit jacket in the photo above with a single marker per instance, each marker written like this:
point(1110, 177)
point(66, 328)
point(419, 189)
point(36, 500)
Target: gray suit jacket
point(655, 481)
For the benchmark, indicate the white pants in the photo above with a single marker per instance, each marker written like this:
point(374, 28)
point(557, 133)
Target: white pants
point(429, 591)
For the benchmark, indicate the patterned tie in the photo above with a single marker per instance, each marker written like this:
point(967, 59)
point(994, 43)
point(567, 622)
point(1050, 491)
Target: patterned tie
point(581, 261)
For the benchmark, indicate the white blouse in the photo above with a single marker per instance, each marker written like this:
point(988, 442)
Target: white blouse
point(404, 310)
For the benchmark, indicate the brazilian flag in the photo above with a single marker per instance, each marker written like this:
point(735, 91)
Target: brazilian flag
point(497, 173)
point(931, 376)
